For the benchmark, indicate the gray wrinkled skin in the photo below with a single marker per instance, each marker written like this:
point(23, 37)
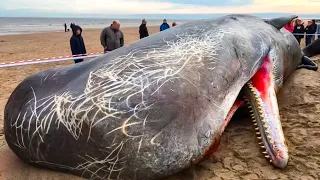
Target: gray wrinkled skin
point(146, 110)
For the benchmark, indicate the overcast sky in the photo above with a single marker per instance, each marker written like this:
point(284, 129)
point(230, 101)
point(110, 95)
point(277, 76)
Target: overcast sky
point(160, 6)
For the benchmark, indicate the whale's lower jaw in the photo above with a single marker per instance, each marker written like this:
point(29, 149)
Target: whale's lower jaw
point(261, 97)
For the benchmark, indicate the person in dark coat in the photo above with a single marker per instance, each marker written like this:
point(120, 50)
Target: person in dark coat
point(77, 43)
point(111, 37)
point(310, 32)
point(298, 30)
point(65, 27)
point(164, 25)
point(72, 26)
point(143, 30)
point(314, 25)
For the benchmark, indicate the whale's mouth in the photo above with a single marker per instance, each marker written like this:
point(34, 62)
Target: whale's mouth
point(261, 97)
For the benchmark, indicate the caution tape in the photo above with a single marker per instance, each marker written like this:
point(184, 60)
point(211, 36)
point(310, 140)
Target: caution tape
point(72, 57)
point(305, 34)
point(47, 60)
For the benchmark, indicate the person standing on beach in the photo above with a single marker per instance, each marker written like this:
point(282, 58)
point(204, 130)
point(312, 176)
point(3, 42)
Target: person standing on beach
point(77, 43)
point(164, 25)
point(71, 26)
point(174, 24)
point(310, 32)
point(143, 30)
point(314, 25)
point(289, 27)
point(298, 30)
point(111, 37)
point(65, 27)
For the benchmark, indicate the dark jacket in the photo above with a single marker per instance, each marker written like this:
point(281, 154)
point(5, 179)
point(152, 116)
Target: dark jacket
point(310, 29)
point(164, 26)
point(314, 26)
point(143, 31)
point(111, 39)
point(298, 29)
point(76, 42)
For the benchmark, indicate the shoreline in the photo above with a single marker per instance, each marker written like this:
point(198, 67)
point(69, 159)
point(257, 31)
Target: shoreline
point(62, 31)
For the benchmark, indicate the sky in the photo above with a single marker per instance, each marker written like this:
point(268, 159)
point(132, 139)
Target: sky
point(83, 8)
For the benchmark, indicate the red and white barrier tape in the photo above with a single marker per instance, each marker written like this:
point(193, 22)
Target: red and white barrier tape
point(52, 59)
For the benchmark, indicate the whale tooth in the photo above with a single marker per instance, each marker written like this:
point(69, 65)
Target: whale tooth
point(254, 120)
point(269, 137)
point(267, 131)
point(256, 124)
point(251, 111)
point(256, 128)
point(270, 160)
point(267, 156)
point(258, 133)
point(260, 143)
point(264, 152)
point(259, 137)
point(263, 147)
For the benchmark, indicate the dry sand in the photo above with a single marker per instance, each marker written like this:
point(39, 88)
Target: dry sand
point(238, 157)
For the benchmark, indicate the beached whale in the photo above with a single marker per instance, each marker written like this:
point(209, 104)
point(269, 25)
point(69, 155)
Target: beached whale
point(154, 107)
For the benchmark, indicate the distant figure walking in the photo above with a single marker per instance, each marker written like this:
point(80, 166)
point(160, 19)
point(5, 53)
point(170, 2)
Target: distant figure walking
point(77, 43)
point(174, 24)
point(111, 37)
point(143, 30)
point(65, 27)
point(298, 30)
point(164, 25)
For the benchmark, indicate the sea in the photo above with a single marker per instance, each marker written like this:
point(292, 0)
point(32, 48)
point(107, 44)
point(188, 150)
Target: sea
point(27, 25)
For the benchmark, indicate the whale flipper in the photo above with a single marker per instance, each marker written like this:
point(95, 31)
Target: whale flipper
point(281, 21)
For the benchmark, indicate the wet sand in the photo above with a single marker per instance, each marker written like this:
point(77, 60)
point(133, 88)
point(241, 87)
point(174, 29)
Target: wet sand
point(238, 157)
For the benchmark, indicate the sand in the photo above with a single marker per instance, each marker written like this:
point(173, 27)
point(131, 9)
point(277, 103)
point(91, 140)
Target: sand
point(238, 157)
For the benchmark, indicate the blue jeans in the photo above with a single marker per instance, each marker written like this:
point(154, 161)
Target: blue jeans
point(308, 39)
point(312, 38)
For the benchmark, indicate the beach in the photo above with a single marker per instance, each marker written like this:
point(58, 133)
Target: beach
point(239, 155)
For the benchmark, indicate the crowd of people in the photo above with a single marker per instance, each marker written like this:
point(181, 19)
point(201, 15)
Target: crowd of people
point(111, 37)
point(301, 31)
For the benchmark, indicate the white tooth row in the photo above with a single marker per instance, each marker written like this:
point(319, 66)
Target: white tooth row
point(264, 122)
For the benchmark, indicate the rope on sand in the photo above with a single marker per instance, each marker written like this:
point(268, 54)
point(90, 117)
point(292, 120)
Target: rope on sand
point(46, 60)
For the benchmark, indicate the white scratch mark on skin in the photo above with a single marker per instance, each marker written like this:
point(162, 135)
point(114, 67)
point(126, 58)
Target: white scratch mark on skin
point(141, 73)
point(140, 142)
point(117, 93)
point(154, 137)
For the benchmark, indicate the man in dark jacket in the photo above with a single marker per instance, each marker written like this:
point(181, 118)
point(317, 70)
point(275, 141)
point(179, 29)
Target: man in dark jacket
point(298, 30)
point(314, 30)
point(143, 30)
point(77, 43)
point(111, 37)
point(310, 32)
point(164, 25)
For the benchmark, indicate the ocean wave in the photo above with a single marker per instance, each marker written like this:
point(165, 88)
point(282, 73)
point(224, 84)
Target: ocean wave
point(29, 25)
